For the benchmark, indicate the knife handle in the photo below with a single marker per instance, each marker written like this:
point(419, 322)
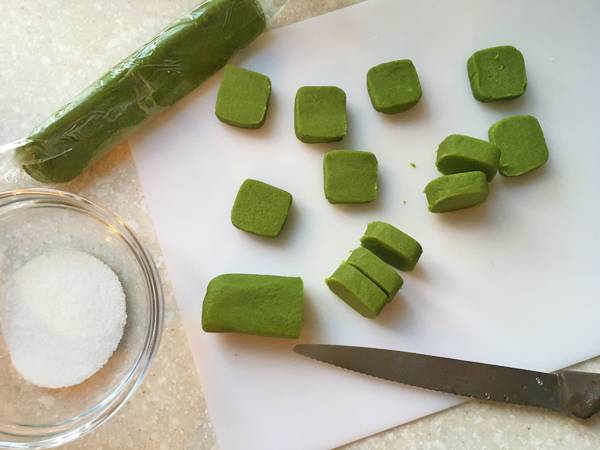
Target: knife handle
point(579, 393)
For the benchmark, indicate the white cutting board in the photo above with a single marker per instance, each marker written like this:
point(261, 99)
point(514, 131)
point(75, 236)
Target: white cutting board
point(512, 282)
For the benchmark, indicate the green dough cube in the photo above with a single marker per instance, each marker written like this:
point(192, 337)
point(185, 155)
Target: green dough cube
point(260, 208)
point(350, 176)
point(376, 270)
point(458, 153)
point(497, 73)
point(263, 305)
point(394, 86)
point(457, 191)
point(352, 286)
point(243, 98)
point(521, 143)
point(320, 114)
point(392, 245)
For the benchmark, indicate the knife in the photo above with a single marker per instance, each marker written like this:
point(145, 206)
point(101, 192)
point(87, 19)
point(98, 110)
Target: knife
point(566, 391)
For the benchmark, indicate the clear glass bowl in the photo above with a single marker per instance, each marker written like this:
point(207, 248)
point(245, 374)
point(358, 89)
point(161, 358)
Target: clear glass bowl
point(32, 222)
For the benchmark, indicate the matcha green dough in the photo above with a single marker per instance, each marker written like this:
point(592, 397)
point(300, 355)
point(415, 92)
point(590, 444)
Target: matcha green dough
point(357, 290)
point(320, 114)
point(153, 78)
point(458, 153)
point(377, 270)
point(394, 86)
point(260, 208)
point(456, 191)
point(521, 143)
point(243, 98)
point(350, 176)
point(392, 245)
point(263, 305)
point(497, 73)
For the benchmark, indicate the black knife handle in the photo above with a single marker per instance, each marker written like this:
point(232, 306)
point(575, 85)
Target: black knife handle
point(579, 393)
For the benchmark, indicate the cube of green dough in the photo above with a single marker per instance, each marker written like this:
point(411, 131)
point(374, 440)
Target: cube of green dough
point(263, 305)
point(392, 245)
point(457, 191)
point(458, 153)
point(243, 98)
point(357, 290)
point(260, 208)
point(497, 73)
point(521, 143)
point(394, 86)
point(350, 176)
point(320, 114)
point(377, 270)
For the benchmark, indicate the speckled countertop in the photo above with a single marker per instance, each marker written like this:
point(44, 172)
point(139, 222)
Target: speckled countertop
point(49, 51)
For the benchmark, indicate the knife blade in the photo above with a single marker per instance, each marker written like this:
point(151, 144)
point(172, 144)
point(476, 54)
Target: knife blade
point(569, 392)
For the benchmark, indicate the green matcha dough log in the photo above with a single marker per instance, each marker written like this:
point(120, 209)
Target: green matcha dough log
point(377, 270)
point(243, 98)
point(357, 290)
point(456, 191)
point(392, 245)
point(350, 176)
point(320, 114)
point(394, 86)
point(521, 143)
point(458, 153)
point(260, 208)
point(263, 305)
point(152, 79)
point(497, 73)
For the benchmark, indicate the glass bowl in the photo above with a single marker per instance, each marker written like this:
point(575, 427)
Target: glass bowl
point(35, 221)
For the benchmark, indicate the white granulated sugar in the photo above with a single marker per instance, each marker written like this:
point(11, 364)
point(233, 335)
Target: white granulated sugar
point(62, 316)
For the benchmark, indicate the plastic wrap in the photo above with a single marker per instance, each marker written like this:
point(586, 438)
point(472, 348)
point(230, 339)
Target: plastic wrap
point(153, 78)
point(12, 174)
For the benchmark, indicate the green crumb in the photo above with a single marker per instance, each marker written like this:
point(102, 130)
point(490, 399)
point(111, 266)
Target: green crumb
point(497, 73)
point(456, 191)
point(392, 245)
point(320, 114)
point(260, 208)
point(394, 86)
point(352, 286)
point(377, 270)
point(350, 176)
point(263, 305)
point(413, 165)
point(521, 143)
point(243, 98)
point(404, 202)
point(458, 153)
